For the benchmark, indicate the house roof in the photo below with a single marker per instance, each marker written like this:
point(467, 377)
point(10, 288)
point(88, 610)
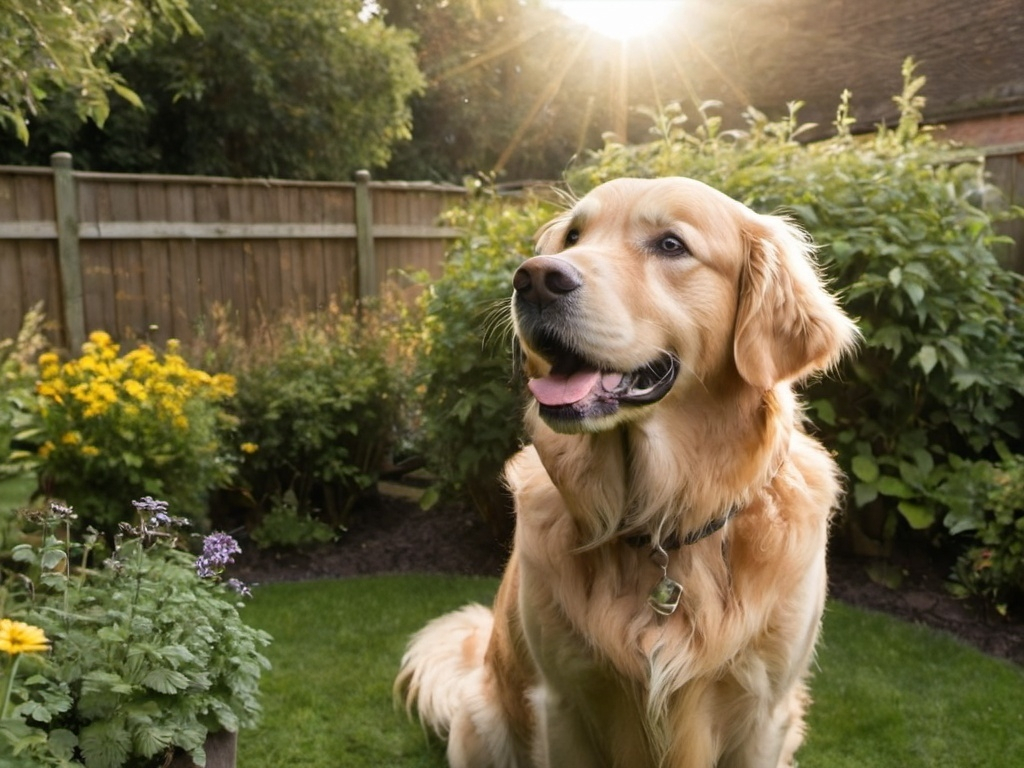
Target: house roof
point(768, 52)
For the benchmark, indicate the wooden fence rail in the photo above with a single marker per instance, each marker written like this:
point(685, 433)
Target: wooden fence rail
point(144, 256)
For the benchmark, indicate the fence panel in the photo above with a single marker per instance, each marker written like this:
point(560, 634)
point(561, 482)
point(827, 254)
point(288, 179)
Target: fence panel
point(1005, 168)
point(156, 253)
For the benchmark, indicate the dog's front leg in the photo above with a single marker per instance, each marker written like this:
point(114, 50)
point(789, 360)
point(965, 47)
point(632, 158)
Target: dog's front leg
point(563, 738)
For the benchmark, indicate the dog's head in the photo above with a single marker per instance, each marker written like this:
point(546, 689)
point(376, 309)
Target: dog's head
point(648, 288)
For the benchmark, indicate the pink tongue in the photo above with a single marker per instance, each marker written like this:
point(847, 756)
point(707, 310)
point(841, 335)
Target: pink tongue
point(564, 390)
point(558, 390)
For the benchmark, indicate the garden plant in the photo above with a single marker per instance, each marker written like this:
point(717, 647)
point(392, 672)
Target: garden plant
point(135, 424)
point(318, 405)
point(136, 656)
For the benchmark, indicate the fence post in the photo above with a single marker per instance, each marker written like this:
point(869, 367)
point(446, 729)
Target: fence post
point(366, 261)
point(70, 262)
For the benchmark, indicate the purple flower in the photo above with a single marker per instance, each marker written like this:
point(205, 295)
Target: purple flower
point(240, 587)
point(218, 549)
point(151, 505)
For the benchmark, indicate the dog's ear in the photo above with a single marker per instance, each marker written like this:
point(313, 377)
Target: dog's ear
point(787, 325)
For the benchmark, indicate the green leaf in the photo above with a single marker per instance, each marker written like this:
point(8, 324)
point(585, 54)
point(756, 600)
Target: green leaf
point(865, 468)
point(51, 559)
point(895, 276)
point(864, 494)
point(165, 680)
point(893, 486)
point(23, 553)
point(915, 292)
point(104, 744)
point(430, 497)
point(918, 516)
point(825, 411)
point(927, 358)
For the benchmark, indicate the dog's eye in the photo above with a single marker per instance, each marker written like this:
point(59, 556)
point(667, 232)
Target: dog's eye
point(670, 245)
point(572, 237)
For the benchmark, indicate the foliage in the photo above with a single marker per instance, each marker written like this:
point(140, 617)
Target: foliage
point(18, 372)
point(905, 238)
point(148, 656)
point(284, 526)
point(51, 47)
point(471, 411)
point(142, 423)
point(986, 500)
point(513, 87)
point(286, 88)
point(319, 398)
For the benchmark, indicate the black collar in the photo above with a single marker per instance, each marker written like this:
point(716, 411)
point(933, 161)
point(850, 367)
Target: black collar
point(675, 541)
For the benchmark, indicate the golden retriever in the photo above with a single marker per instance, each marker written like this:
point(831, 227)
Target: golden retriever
point(662, 600)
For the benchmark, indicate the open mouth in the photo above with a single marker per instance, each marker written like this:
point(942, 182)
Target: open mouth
point(577, 390)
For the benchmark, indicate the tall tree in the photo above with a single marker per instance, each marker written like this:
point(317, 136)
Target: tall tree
point(55, 46)
point(513, 88)
point(307, 89)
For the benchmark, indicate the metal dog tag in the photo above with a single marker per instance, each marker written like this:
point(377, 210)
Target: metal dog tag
point(664, 598)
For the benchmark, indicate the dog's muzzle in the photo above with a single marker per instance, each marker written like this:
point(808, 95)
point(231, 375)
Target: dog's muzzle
point(579, 393)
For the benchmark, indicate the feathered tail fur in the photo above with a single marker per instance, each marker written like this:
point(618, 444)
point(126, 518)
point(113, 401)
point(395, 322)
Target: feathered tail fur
point(443, 679)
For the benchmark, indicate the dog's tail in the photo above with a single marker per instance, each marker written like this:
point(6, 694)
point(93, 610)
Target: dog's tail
point(440, 668)
point(444, 679)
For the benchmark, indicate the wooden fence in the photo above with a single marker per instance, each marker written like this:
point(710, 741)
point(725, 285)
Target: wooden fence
point(1005, 169)
point(147, 257)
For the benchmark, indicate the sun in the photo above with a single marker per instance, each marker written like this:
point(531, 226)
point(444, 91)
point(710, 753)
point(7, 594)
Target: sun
point(618, 19)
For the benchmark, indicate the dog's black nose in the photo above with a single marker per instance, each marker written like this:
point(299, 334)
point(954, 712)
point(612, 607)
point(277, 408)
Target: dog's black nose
point(544, 279)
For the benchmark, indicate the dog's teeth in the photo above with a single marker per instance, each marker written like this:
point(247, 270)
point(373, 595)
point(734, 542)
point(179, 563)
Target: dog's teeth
point(611, 381)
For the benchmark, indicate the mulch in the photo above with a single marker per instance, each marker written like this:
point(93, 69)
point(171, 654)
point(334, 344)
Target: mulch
point(392, 534)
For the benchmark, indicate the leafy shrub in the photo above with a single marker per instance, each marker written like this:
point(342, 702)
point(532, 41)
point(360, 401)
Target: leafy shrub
point(904, 238)
point(986, 501)
point(19, 422)
point(142, 423)
point(471, 420)
point(149, 652)
point(284, 526)
point(18, 372)
point(319, 396)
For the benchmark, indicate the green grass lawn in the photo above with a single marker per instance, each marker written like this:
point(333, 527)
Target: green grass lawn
point(886, 693)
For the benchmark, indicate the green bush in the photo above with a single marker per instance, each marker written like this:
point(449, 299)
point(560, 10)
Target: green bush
point(142, 423)
point(149, 653)
point(471, 412)
point(19, 422)
point(18, 372)
point(319, 397)
point(986, 502)
point(905, 240)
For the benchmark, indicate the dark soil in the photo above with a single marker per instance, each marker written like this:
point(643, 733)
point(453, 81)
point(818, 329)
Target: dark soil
point(391, 534)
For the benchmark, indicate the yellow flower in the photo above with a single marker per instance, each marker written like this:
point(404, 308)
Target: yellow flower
point(100, 338)
point(50, 391)
point(136, 389)
point(71, 438)
point(17, 637)
point(90, 450)
point(180, 421)
point(48, 359)
point(224, 385)
point(46, 449)
point(249, 447)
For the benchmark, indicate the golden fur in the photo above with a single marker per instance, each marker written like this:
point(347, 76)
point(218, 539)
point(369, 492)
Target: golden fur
point(572, 668)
